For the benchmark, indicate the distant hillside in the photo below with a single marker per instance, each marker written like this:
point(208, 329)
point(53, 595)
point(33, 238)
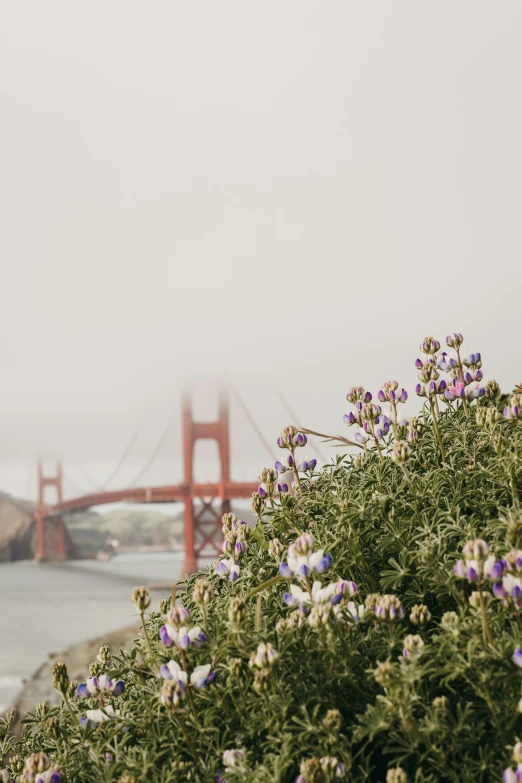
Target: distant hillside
point(132, 527)
point(18, 530)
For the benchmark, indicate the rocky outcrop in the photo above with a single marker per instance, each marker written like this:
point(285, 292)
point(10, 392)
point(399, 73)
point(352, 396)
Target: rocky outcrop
point(18, 530)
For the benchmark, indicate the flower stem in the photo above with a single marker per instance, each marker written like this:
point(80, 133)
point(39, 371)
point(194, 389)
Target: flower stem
point(259, 613)
point(461, 371)
point(189, 688)
point(269, 582)
point(485, 623)
point(437, 431)
point(292, 452)
point(70, 709)
point(147, 642)
point(188, 741)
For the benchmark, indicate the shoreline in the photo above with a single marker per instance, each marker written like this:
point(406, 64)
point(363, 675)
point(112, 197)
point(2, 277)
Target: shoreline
point(77, 657)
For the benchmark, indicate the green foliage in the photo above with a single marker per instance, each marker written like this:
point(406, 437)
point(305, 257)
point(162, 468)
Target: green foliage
point(338, 687)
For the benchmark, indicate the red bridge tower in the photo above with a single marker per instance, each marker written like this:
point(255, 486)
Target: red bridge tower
point(205, 503)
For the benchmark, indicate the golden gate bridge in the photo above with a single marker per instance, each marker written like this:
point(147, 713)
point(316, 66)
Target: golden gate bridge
point(204, 502)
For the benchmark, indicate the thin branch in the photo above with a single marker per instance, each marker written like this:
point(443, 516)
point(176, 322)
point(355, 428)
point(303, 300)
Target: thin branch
point(332, 438)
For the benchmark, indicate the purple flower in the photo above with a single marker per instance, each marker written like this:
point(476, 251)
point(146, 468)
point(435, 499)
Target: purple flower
point(454, 340)
point(290, 600)
point(447, 362)
point(261, 491)
point(349, 419)
point(282, 487)
point(285, 570)
point(279, 467)
point(324, 564)
point(517, 657)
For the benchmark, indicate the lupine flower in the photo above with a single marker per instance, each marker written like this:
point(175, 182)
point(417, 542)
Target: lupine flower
point(512, 775)
point(370, 411)
point(390, 392)
point(487, 417)
point(473, 360)
point(396, 775)
point(38, 768)
point(172, 693)
point(257, 504)
point(141, 599)
point(96, 686)
point(201, 676)
point(307, 464)
point(432, 388)
point(331, 594)
point(479, 597)
point(291, 438)
point(493, 390)
point(357, 612)
point(327, 768)
point(401, 451)
point(383, 673)
point(265, 656)
point(282, 487)
point(302, 560)
point(381, 426)
point(360, 438)
point(176, 631)
point(320, 615)
point(93, 717)
point(420, 614)
point(280, 467)
point(358, 394)
point(389, 608)
point(477, 563)
point(509, 590)
point(60, 677)
point(232, 761)
point(514, 410)
point(430, 345)
point(413, 645)
point(5, 777)
point(454, 340)
point(203, 592)
point(428, 370)
point(350, 418)
point(447, 362)
point(276, 549)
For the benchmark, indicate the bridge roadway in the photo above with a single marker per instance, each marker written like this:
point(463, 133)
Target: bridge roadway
point(232, 490)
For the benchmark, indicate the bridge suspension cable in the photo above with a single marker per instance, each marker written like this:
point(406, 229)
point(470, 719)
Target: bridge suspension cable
point(252, 422)
point(155, 453)
point(126, 451)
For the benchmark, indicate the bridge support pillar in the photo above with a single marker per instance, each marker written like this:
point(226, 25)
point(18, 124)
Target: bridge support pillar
point(43, 552)
point(195, 523)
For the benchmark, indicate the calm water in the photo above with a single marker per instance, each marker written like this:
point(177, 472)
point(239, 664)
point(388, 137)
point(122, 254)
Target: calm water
point(46, 607)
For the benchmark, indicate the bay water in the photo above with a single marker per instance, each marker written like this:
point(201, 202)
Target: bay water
point(45, 607)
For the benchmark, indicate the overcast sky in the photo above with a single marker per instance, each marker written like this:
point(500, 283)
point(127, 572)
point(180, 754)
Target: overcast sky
point(280, 193)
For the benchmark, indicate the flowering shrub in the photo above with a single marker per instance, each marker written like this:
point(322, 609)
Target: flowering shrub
point(368, 628)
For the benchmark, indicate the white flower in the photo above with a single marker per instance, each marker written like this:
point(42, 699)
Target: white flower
point(173, 671)
point(198, 678)
point(357, 611)
point(320, 595)
point(99, 716)
point(228, 568)
point(303, 564)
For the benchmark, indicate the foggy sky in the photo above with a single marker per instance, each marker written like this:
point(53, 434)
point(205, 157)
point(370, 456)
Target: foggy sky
point(280, 193)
